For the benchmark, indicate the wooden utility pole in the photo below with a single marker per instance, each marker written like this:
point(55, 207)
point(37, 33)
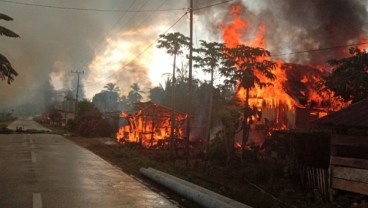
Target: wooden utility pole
point(76, 96)
point(189, 105)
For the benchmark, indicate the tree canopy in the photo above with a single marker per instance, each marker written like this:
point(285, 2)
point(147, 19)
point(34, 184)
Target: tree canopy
point(349, 77)
point(7, 72)
point(111, 87)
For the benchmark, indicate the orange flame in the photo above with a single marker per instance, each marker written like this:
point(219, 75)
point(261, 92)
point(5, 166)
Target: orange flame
point(263, 98)
point(150, 127)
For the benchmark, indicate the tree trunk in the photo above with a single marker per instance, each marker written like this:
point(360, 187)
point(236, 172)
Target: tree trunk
point(173, 106)
point(245, 125)
point(209, 119)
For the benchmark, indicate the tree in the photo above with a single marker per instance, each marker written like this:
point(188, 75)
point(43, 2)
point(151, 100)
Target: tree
point(229, 118)
point(158, 94)
point(243, 66)
point(6, 69)
point(69, 95)
point(111, 87)
point(174, 43)
point(135, 94)
point(91, 122)
point(349, 77)
point(209, 59)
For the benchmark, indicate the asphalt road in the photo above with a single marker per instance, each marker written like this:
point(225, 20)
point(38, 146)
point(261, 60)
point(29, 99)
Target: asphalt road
point(45, 170)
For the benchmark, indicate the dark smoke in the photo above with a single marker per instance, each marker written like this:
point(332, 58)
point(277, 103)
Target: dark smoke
point(293, 26)
point(315, 24)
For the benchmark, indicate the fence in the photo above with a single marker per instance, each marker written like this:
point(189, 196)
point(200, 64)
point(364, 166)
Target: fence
point(316, 179)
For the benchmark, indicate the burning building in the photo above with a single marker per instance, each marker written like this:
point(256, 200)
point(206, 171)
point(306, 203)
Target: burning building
point(294, 98)
point(149, 124)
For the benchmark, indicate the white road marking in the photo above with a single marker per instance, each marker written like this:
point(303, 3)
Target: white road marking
point(37, 200)
point(33, 157)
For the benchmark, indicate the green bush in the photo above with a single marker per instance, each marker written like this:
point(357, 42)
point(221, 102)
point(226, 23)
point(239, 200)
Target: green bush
point(217, 151)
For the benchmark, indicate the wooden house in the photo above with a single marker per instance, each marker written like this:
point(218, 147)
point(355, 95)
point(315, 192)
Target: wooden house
point(349, 147)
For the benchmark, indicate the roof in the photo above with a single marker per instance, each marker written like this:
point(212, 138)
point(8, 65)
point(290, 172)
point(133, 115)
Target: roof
point(156, 109)
point(355, 116)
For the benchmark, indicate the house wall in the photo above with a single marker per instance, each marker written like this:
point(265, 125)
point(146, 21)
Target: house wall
point(349, 163)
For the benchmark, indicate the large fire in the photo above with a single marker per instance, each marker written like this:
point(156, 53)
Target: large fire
point(150, 125)
point(295, 87)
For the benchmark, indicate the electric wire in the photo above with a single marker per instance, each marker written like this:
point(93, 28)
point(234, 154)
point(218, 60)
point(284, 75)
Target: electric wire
point(90, 9)
point(212, 5)
point(86, 59)
point(320, 49)
point(142, 52)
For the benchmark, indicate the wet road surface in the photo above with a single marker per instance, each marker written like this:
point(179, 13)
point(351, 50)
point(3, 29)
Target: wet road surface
point(44, 170)
point(27, 124)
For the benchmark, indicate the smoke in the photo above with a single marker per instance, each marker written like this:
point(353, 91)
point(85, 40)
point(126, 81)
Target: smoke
point(293, 26)
point(56, 41)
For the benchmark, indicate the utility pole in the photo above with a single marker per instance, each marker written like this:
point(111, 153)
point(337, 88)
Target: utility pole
point(189, 82)
point(76, 96)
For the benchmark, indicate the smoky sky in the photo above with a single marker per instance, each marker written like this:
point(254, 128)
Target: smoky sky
point(55, 41)
point(293, 26)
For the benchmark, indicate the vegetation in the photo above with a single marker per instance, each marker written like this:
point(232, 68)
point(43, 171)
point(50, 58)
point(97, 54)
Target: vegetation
point(247, 174)
point(349, 78)
point(209, 59)
point(90, 122)
point(6, 69)
point(111, 87)
point(243, 66)
point(174, 43)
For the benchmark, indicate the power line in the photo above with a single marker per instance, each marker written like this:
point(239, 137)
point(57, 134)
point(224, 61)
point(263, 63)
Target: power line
point(320, 49)
point(112, 27)
point(125, 24)
point(142, 52)
point(212, 5)
point(90, 9)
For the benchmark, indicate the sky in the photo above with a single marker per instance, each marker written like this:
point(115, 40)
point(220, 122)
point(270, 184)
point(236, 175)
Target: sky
point(115, 41)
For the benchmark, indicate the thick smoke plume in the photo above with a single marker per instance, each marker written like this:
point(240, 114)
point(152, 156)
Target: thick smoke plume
point(295, 26)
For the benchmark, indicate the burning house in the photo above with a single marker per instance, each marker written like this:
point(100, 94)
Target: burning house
point(292, 100)
point(149, 124)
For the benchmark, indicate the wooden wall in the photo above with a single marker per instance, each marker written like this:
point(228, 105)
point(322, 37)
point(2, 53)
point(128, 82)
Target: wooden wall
point(349, 163)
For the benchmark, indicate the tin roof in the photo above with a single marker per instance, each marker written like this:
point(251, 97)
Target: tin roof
point(355, 115)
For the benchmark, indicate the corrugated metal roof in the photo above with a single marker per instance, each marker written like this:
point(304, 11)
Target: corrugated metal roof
point(355, 115)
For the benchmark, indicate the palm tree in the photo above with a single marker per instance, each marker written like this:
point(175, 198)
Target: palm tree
point(241, 65)
point(174, 43)
point(111, 87)
point(209, 59)
point(6, 69)
point(135, 94)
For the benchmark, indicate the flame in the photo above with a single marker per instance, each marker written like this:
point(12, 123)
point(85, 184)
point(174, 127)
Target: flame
point(232, 33)
point(363, 39)
point(150, 126)
point(268, 99)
